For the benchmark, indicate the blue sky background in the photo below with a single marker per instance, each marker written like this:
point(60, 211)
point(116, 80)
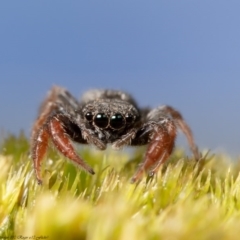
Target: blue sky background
point(182, 53)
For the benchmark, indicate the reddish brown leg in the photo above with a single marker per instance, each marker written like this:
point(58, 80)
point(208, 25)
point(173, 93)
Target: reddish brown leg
point(55, 131)
point(158, 150)
point(39, 149)
point(185, 129)
point(40, 138)
point(46, 108)
point(64, 144)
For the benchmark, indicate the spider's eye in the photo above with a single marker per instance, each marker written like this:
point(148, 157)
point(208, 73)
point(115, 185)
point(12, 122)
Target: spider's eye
point(89, 116)
point(101, 120)
point(129, 118)
point(117, 121)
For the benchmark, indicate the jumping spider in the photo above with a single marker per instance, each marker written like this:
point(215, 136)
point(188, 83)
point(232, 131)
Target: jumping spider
point(106, 117)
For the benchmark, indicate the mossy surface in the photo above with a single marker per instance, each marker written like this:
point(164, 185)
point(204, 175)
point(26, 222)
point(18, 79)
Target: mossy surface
point(185, 200)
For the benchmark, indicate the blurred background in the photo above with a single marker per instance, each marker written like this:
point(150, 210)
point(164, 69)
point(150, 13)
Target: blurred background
point(182, 53)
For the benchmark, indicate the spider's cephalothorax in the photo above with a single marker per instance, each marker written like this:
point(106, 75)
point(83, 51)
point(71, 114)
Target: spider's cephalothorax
point(104, 117)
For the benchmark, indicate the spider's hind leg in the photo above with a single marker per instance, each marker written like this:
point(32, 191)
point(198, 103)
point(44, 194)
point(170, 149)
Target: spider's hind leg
point(183, 126)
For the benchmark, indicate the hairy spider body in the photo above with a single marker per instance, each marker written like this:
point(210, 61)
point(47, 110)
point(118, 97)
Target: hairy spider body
point(105, 117)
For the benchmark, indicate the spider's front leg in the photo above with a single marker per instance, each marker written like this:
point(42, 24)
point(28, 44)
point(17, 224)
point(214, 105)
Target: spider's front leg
point(160, 132)
point(161, 136)
point(57, 123)
point(54, 130)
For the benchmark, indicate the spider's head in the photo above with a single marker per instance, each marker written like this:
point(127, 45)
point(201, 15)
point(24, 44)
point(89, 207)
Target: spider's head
point(110, 114)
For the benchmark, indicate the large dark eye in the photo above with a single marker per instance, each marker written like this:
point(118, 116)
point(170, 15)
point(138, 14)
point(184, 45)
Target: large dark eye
point(117, 121)
point(89, 116)
point(129, 118)
point(101, 120)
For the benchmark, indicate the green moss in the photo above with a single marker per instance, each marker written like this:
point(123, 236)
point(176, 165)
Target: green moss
point(185, 200)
